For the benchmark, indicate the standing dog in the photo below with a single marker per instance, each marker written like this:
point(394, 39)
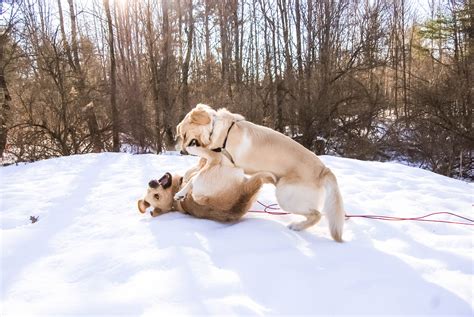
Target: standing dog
point(304, 185)
point(214, 190)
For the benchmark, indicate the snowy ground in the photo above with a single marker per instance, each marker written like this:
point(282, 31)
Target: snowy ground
point(92, 253)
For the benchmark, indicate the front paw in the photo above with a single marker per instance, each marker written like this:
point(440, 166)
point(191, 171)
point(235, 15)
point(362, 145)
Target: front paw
point(179, 196)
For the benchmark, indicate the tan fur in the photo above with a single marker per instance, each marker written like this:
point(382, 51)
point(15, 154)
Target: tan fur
point(227, 204)
point(159, 198)
point(199, 116)
point(240, 206)
point(305, 186)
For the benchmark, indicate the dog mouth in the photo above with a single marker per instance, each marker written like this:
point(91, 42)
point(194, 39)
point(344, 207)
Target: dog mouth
point(165, 181)
point(192, 143)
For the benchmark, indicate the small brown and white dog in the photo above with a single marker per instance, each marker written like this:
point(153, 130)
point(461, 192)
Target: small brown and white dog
point(304, 185)
point(215, 189)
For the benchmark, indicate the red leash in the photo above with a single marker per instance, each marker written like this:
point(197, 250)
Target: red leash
point(271, 209)
point(421, 218)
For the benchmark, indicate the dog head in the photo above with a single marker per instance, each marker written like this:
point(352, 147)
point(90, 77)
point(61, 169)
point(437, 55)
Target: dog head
point(195, 129)
point(160, 194)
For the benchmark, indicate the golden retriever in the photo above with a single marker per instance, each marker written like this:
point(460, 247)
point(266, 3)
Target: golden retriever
point(214, 190)
point(304, 185)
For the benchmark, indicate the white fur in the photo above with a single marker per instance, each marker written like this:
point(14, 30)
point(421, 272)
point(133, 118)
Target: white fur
point(234, 177)
point(244, 147)
point(184, 191)
point(202, 186)
point(294, 197)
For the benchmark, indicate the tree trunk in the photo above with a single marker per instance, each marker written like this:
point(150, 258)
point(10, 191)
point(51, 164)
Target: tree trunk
point(404, 64)
point(237, 39)
point(282, 6)
point(150, 40)
point(307, 111)
point(84, 100)
point(4, 97)
point(298, 40)
point(207, 36)
point(113, 85)
point(164, 75)
point(187, 59)
point(223, 37)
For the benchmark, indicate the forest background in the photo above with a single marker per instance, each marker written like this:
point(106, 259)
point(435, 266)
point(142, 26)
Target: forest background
point(373, 80)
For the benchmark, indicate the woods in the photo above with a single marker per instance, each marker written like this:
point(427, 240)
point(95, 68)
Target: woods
point(374, 80)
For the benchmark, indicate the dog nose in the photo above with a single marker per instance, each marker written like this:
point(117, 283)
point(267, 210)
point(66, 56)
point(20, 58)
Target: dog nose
point(153, 184)
point(183, 152)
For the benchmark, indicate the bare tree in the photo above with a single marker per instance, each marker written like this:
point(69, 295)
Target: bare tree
point(164, 73)
point(341, 76)
point(185, 67)
point(113, 84)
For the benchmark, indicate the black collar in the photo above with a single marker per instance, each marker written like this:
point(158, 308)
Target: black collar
point(222, 148)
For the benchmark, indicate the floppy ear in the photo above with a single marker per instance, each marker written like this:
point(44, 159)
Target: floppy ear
point(142, 206)
point(200, 116)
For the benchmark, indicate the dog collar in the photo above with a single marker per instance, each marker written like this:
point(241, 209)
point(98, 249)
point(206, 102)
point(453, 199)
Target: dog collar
point(222, 149)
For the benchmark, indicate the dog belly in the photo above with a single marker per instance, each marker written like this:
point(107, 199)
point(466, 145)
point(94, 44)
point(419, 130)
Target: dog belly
point(217, 180)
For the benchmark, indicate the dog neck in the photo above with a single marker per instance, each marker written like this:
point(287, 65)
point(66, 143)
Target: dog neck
point(222, 149)
point(177, 206)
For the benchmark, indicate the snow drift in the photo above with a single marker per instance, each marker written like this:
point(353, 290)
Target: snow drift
point(91, 252)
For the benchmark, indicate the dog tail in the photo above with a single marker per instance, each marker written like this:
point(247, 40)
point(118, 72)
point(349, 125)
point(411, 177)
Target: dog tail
point(333, 205)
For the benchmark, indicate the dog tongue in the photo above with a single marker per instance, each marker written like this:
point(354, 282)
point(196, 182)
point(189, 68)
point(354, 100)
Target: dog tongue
point(165, 180)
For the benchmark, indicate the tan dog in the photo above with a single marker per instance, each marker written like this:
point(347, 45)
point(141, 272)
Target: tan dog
point(304, 185)
point(213, 190)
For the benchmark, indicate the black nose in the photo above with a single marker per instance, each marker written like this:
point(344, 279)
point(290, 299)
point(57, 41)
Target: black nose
point(183, 152)
point(153, 184)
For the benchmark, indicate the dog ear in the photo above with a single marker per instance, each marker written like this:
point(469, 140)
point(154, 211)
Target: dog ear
point(200, 116)
point(142, 206)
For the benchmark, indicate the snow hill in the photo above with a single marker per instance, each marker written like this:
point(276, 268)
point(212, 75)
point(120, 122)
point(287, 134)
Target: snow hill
point(92, 253)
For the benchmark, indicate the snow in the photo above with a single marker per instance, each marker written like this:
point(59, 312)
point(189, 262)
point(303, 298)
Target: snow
point(92, 253)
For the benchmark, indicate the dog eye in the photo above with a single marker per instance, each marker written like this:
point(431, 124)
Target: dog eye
point(157, 197)
point(193, 142)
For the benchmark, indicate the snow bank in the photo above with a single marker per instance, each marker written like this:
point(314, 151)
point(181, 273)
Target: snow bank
point(92, 253)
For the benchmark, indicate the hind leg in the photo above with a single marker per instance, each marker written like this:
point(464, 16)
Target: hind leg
point(311, 219)
point(300, 199)
point(201, 199)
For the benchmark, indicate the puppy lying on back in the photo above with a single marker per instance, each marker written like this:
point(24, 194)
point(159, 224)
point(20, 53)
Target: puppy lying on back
point(214, 190)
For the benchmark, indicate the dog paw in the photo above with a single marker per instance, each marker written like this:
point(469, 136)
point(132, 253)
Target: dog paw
point(296, 226)
point(178, 196)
